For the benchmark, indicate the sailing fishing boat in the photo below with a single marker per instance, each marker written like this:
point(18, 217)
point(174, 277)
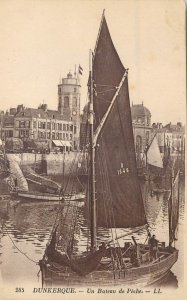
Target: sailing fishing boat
point(153, 156)
point(153, 160)
point(114, 194)
point(154, 165)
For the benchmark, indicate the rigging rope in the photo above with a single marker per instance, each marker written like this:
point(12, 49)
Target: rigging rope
point(117, 261)
point(6, 229)
point(59, 212)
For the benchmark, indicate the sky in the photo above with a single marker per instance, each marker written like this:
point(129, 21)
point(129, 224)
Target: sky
point(41, 41)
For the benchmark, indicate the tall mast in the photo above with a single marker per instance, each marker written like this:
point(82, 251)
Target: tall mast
point(171, 199)
point(92, 159)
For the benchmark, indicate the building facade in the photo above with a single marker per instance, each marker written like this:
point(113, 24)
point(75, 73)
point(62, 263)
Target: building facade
point(142, 130)
point(6, 125)
point(44, 125)
point(171, 136)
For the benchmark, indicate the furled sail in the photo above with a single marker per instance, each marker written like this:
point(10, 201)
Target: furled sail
point(173, 208)
point(119, 198)
point(153, 155)
point(82, 266)
point(107, 72)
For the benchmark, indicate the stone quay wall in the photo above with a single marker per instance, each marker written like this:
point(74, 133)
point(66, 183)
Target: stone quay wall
point(60, 163)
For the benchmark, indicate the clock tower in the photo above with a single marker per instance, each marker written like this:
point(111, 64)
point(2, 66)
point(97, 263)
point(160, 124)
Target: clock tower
point(69, 104)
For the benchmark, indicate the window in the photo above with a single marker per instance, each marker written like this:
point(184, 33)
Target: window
point(74, 101)
point(23, 133)
point(27, 124)
point(34, 124)
point(53, 135)
point(22, 124)
point(17, 124)
point(147, 137)
point(75, 129)
point(60, 135)
point(53, 126)
point(64, 137)
point(9, 133)
point(39, 124)
point(48, 125)
point(70, 136)
point(66, 101)
point(48, 135)
point(60, 126)
point(67, 127)
point(64, 127)
point(138, 144)
point(67, 136)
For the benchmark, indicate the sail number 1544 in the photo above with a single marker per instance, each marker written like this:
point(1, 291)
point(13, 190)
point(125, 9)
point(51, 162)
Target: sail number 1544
point(122, 170)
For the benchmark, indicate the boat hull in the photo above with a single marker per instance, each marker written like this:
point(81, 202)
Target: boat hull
point(49, 197)
point(142, 276)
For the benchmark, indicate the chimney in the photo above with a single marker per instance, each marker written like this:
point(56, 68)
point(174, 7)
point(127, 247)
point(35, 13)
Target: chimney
point(20, 108)
point(44, 107)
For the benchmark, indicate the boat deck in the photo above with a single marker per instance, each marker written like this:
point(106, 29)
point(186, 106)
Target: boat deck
point(146, 273)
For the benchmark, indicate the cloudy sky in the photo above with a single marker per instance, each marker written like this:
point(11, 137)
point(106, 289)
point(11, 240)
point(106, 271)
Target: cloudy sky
point(43, 40)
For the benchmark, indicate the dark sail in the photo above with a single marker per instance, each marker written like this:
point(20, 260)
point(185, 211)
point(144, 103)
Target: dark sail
point(107, 72)
point(118, 194)
point(82, 265)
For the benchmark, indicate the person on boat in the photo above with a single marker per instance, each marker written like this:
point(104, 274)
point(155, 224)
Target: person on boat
point(153, 242)
point(102, 246)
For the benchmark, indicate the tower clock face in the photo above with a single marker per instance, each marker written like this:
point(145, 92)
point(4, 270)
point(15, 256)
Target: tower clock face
point(74, 113)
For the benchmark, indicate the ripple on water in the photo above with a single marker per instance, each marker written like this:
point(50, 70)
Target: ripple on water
point(30, 225)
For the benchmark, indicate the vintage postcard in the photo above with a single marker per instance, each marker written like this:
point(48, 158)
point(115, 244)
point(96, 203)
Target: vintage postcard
point(92, 149)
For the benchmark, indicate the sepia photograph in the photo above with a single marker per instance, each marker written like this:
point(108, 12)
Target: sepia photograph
point(92, 149)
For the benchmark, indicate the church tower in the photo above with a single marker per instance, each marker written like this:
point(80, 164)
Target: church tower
point(69, 103)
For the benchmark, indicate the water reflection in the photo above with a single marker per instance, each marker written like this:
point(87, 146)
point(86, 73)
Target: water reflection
point(169, 280)
point(29, 226)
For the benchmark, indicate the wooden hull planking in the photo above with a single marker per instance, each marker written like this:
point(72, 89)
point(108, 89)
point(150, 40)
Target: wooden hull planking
point(50, 197)
point(142, 276)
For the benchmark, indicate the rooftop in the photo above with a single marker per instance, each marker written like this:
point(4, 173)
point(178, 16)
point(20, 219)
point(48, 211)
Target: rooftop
point(138, 110)
point(7, 120)
point(41, 113)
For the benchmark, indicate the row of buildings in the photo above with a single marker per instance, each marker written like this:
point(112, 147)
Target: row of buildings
point(58, 128)
point(170, 136)
point(66, 127)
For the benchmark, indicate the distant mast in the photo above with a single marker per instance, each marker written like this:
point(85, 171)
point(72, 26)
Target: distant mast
point(92, 160)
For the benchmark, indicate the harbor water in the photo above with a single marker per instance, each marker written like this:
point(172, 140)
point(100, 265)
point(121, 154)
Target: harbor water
point(25, 229)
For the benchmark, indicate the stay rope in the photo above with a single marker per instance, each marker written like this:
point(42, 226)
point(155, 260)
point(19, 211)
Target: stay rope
point(32, 260)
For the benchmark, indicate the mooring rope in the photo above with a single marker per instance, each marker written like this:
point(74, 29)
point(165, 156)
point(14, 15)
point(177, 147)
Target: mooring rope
point(6, 229)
